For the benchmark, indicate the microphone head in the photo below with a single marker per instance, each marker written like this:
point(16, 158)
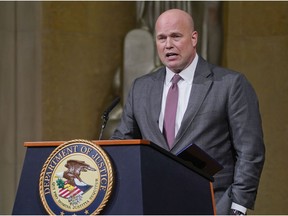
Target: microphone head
point(111, 107)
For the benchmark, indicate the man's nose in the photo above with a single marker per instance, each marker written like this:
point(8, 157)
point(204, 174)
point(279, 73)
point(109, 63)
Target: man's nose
point(169, 43)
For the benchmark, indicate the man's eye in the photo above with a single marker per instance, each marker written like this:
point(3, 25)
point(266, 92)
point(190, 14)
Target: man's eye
point(161, 39)
point(176, 36)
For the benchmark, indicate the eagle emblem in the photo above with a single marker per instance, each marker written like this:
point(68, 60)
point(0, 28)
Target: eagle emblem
point(69, 182)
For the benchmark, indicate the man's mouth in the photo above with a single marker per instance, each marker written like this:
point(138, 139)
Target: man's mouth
point(170, 54)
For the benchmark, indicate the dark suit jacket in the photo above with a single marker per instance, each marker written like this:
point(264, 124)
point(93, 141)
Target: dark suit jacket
point(222, 118)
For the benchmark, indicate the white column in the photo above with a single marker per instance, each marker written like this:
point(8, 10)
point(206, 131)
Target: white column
point(20, 91)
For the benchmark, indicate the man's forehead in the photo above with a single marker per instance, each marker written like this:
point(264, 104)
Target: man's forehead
point(171, 27)
point(168, 32)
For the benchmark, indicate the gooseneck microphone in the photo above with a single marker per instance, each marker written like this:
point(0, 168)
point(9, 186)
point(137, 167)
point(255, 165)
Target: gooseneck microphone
point(105, 115)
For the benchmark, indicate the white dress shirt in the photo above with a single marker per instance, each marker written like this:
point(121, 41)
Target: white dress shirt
point(184, 86)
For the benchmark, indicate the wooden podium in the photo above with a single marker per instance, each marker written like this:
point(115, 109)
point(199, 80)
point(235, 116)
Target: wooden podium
point(148, 180)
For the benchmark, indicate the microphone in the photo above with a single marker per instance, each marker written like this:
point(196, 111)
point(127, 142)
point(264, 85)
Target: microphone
point(110, 108)
point(105, 115)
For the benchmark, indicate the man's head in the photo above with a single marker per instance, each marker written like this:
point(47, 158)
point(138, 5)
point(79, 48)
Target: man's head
point(176, 39)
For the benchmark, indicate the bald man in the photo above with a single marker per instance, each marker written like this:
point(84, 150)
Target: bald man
point(217, 109)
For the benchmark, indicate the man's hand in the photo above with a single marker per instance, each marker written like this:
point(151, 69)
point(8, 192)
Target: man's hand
point(236, 212)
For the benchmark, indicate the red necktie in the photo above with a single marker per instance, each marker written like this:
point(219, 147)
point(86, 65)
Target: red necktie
point(170, 111)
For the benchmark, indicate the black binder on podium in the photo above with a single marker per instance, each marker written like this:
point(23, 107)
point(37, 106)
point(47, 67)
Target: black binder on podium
point(148, 180)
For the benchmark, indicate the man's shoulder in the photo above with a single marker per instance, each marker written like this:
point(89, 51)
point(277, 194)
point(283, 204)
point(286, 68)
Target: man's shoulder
point(224, 72)
point(203, 64)
point(156, 74)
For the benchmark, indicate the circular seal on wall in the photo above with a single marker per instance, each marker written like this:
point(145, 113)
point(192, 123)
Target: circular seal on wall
point(77, 178)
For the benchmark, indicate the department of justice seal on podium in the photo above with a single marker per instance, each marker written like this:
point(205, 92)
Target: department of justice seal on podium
point(77, 178)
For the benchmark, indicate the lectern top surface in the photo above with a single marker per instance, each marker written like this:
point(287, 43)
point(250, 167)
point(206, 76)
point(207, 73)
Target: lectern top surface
point(97, 142)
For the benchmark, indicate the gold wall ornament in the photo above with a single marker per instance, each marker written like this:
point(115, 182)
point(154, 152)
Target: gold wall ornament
point(77, 178)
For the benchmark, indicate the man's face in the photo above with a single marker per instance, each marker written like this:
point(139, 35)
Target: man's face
point(176, 41)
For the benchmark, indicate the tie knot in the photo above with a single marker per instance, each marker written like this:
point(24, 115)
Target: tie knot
point(176, 79)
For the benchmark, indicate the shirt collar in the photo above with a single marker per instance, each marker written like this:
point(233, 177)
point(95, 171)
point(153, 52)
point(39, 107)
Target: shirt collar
point(187, 74)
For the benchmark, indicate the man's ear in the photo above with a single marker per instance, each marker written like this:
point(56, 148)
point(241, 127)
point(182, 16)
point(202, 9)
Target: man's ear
point(194, 38)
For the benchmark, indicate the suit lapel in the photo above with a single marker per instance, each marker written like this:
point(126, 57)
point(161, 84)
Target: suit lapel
point(155, 105)
point(201, 84)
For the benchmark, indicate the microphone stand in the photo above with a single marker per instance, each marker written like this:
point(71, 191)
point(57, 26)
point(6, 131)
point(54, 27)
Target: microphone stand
point(105, 115)
point(104, 118)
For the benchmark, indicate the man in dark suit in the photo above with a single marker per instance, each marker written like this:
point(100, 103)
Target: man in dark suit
point(217, 110)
